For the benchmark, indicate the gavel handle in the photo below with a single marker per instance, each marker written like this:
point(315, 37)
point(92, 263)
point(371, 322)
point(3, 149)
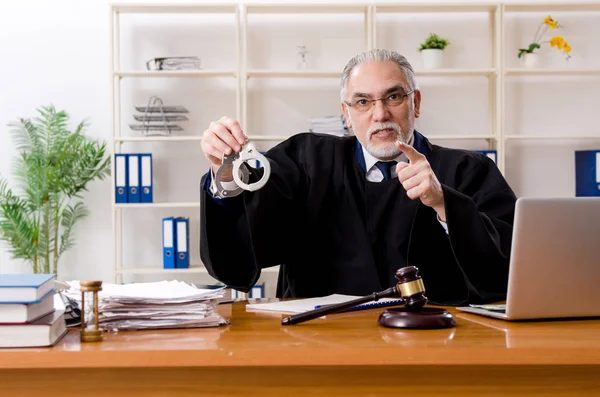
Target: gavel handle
point(316, 313)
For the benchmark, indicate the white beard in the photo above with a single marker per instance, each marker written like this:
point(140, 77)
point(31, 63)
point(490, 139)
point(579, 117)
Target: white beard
point(388, 150)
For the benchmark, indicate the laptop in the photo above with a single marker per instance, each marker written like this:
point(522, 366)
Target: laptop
point(555, 261)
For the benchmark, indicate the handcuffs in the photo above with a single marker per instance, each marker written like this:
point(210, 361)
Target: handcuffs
point(234, 162)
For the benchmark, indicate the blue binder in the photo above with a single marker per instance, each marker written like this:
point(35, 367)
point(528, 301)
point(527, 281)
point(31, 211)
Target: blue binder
point(146, 177)
point(587, 173)
point(182, 252)
point(493, 154)
point(168, 242)
point(255, 163)
point(121, 187)
point(258, 291)
point(133, 178)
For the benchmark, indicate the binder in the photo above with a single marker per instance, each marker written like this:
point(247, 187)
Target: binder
point(168, 241)
point(258, 291)
point(182, 258)
point(133, 179)
point(587, 173)
point(493, 154)
point(255, 163)
point(146, 177)
point(121, 178)
point(235, 294)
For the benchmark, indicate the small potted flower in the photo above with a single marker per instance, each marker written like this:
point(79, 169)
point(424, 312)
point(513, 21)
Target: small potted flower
point(529, 55)
point(432, 50)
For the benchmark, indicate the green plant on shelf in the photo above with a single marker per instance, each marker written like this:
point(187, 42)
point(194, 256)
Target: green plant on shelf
point(433, 41)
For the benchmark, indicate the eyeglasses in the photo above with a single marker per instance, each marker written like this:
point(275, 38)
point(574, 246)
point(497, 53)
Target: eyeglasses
point(392, 100)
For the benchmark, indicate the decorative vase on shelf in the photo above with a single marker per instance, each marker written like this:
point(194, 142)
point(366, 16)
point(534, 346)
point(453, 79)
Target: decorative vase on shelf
point(531, 60)
point(302, 63)
point(433, 58)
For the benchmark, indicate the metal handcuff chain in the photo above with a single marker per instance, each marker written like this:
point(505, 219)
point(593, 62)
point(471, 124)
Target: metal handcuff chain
point(234, 162)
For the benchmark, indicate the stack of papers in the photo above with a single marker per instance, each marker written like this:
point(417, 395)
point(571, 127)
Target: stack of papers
point(333, 125)
point(164, 304)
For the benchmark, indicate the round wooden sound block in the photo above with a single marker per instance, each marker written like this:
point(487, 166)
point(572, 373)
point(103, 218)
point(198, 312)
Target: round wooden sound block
point(424, 318)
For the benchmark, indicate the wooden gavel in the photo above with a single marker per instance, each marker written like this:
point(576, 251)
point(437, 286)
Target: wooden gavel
point(410, 287)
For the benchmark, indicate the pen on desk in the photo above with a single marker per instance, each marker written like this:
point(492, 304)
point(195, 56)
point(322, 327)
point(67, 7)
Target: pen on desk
point(336, 308)
point(373, 305)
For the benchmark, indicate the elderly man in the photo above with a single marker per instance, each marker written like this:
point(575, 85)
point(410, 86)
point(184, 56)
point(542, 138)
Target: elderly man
point(342, 214)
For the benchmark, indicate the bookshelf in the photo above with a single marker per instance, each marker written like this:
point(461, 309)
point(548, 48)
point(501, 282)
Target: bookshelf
point(548, 136)
point(368, 25)
point(273, 12)
point(488, 68)
point(121, 138)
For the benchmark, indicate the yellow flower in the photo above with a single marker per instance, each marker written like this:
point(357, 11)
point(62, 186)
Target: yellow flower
point(567, 48)
point(558, 41)
point(551, 23)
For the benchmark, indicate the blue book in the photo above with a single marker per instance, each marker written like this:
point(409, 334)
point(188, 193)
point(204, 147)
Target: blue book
point(25, 288)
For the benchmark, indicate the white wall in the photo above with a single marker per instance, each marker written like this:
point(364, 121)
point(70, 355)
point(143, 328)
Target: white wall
point(58, 52)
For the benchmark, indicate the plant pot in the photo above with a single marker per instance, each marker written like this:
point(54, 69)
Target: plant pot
point(531, 60)
point(432, 58)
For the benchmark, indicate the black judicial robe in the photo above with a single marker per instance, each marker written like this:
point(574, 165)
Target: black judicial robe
point(332, 231)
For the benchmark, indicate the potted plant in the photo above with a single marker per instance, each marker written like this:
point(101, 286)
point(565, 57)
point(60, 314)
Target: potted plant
point(432, 50)
point(529, 55)
point(53, 168)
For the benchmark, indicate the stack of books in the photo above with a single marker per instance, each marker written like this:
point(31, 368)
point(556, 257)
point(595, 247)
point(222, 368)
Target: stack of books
point(333, 125)
point(27, 314)
point(155, 305)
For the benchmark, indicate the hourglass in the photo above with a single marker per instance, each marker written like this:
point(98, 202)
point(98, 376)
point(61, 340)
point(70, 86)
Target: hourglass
point(90, 330)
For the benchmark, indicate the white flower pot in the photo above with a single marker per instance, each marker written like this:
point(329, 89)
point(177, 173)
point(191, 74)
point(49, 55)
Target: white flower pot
point(531, 60)
point(432, 58)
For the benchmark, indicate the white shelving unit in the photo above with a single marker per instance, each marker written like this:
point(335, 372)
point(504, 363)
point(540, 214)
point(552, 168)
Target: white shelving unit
point(492, 72)
point(496, 72)
point(552, 7)
point(552, 72)
point(297, 9)
point(116, 76)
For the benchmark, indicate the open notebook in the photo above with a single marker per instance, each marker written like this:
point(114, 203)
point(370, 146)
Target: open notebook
point(304, 305)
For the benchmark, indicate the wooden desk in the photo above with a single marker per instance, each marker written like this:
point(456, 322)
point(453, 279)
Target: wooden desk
point(347, 354)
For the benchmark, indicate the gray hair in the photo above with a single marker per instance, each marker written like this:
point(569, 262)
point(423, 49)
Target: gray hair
point(382, 55)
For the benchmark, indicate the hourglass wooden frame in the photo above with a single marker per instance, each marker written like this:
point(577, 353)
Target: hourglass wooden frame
point(90, 332)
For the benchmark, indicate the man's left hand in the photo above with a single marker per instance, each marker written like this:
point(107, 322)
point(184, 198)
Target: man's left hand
point(419, 180)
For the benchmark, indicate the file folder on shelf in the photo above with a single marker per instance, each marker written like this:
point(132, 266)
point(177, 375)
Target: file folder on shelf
point(493, 154)
point(587, 173)
point(182, 257)
point(133, 180)
point(258, 291)
point(168, 241)
point(146, 177)
point(121, 178)
point(255, 163)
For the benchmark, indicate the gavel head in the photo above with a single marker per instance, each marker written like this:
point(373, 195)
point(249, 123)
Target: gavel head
point(411, 288)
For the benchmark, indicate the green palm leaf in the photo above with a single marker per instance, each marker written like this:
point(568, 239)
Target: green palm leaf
point(70, 216)
point(53, 166)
